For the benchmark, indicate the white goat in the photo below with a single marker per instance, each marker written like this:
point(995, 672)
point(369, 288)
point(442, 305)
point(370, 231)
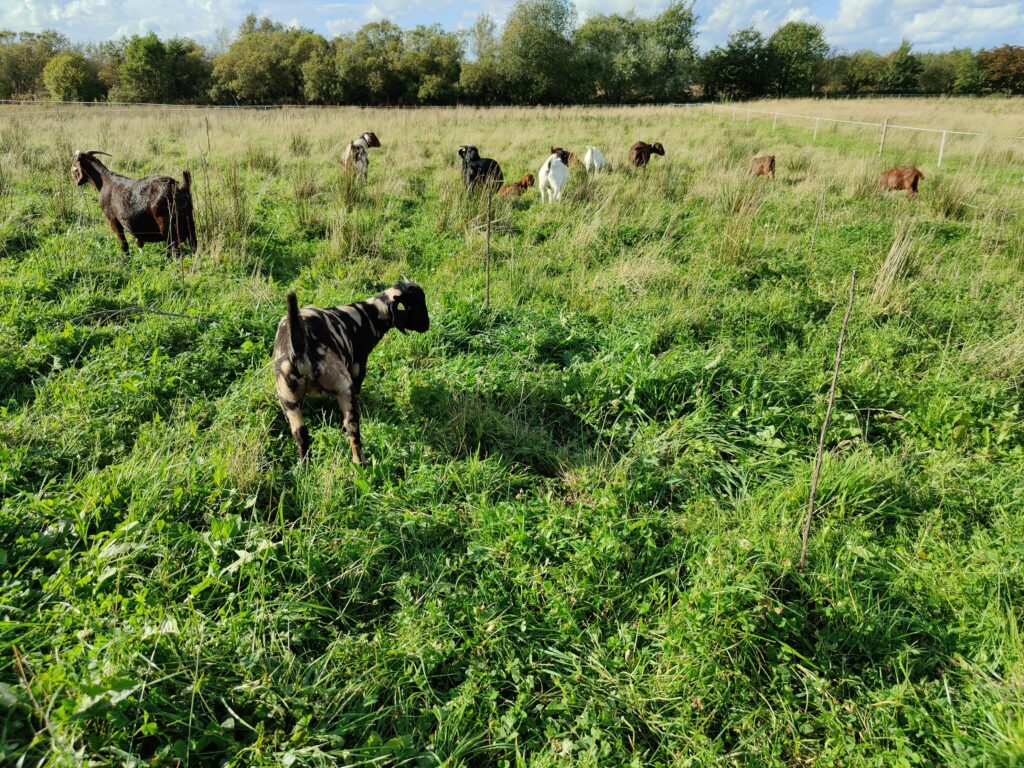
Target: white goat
point(593, 160)
point(553, 175)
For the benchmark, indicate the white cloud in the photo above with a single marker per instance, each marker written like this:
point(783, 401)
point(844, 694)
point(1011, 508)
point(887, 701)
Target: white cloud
point(928, 24)
point(849, 24)
point(341, 26)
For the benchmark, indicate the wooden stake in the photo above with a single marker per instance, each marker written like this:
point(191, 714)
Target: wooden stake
point(824, 424)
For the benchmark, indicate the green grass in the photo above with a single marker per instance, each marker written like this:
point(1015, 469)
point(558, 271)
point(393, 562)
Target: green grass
point(575, 538)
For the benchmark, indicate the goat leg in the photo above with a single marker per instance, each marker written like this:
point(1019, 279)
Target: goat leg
point(119, 231)
point(349, 403)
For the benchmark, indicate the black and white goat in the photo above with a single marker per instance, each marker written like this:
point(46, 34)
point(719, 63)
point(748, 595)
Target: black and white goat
point(553, 175)
point(155, 209)
point(325, 350)
point(479, 172)
point(356, 157)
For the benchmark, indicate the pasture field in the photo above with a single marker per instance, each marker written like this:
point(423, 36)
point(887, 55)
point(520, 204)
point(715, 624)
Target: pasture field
point(575, 539)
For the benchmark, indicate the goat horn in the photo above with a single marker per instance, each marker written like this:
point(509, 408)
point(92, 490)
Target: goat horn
point(97, 152)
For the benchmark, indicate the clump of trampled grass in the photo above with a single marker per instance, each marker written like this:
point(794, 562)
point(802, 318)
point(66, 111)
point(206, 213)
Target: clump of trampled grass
point(299, 145)
point(259, 158)
point(894, 266)
point(738, 197)
point(952, 196)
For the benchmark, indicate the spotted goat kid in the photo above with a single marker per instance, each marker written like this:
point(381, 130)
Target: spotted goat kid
point(325, 350)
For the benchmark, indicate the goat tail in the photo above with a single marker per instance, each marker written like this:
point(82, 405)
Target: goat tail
point(296, 326)
point(183, 223)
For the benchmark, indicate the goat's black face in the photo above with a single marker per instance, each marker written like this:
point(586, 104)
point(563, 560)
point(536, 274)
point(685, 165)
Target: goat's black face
point(563, 156)
point(409, 308)
point(468, 153)
point(657, 149)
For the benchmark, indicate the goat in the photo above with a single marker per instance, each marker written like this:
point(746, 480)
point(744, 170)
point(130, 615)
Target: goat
point(553, 175)
point(640, 153)
point(593, 160)
point(518, 188)
point(325, 350)
point(356, 157)
point(479, 172)
point(574, 159)
point(763, 166)
point(904, 177)
point(156, 209)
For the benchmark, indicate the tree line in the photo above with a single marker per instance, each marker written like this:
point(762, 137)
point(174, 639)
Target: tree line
point(540, 56)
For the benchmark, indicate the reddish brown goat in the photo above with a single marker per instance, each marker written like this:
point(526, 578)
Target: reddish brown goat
point(904, 177)
point(640, 153)
point(763, 166)
point(156, 209)
point(519, 187)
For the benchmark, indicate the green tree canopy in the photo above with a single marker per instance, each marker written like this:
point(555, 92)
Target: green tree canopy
point(69, 77)
point(264, 65)
point(738, 70)
point(431, 63)
point(23, 58)
point(536, 56)
point(902, 70)
point(480, 79)
point(796, 54)
point(143, 73)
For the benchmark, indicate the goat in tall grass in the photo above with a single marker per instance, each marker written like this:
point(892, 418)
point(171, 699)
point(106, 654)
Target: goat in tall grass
point(903, 177)
point(640, 153)
point(593, 160)
point(763, 166)
point(479, 172)
point(325, 350)
point(553, 175)
point(356, 157)
point(518, 188)
point(155, 209)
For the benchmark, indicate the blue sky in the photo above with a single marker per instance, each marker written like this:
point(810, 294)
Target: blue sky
point(849, 24)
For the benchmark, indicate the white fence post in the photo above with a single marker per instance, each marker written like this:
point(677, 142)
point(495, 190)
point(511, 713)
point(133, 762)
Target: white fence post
point(775, 120)
point(748, 117)
point(817, 122)
point(885, 130)
point(942, 148)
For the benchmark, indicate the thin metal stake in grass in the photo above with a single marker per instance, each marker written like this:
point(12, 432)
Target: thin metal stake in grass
point(487, 296)
point(817, 218)
point(824, 424)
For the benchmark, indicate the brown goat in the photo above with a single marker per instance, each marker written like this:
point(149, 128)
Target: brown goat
point(763, 166)
point(574, 159)
point(640, 153)
point(519, 187)
point(904, 177)
point(156, 209)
